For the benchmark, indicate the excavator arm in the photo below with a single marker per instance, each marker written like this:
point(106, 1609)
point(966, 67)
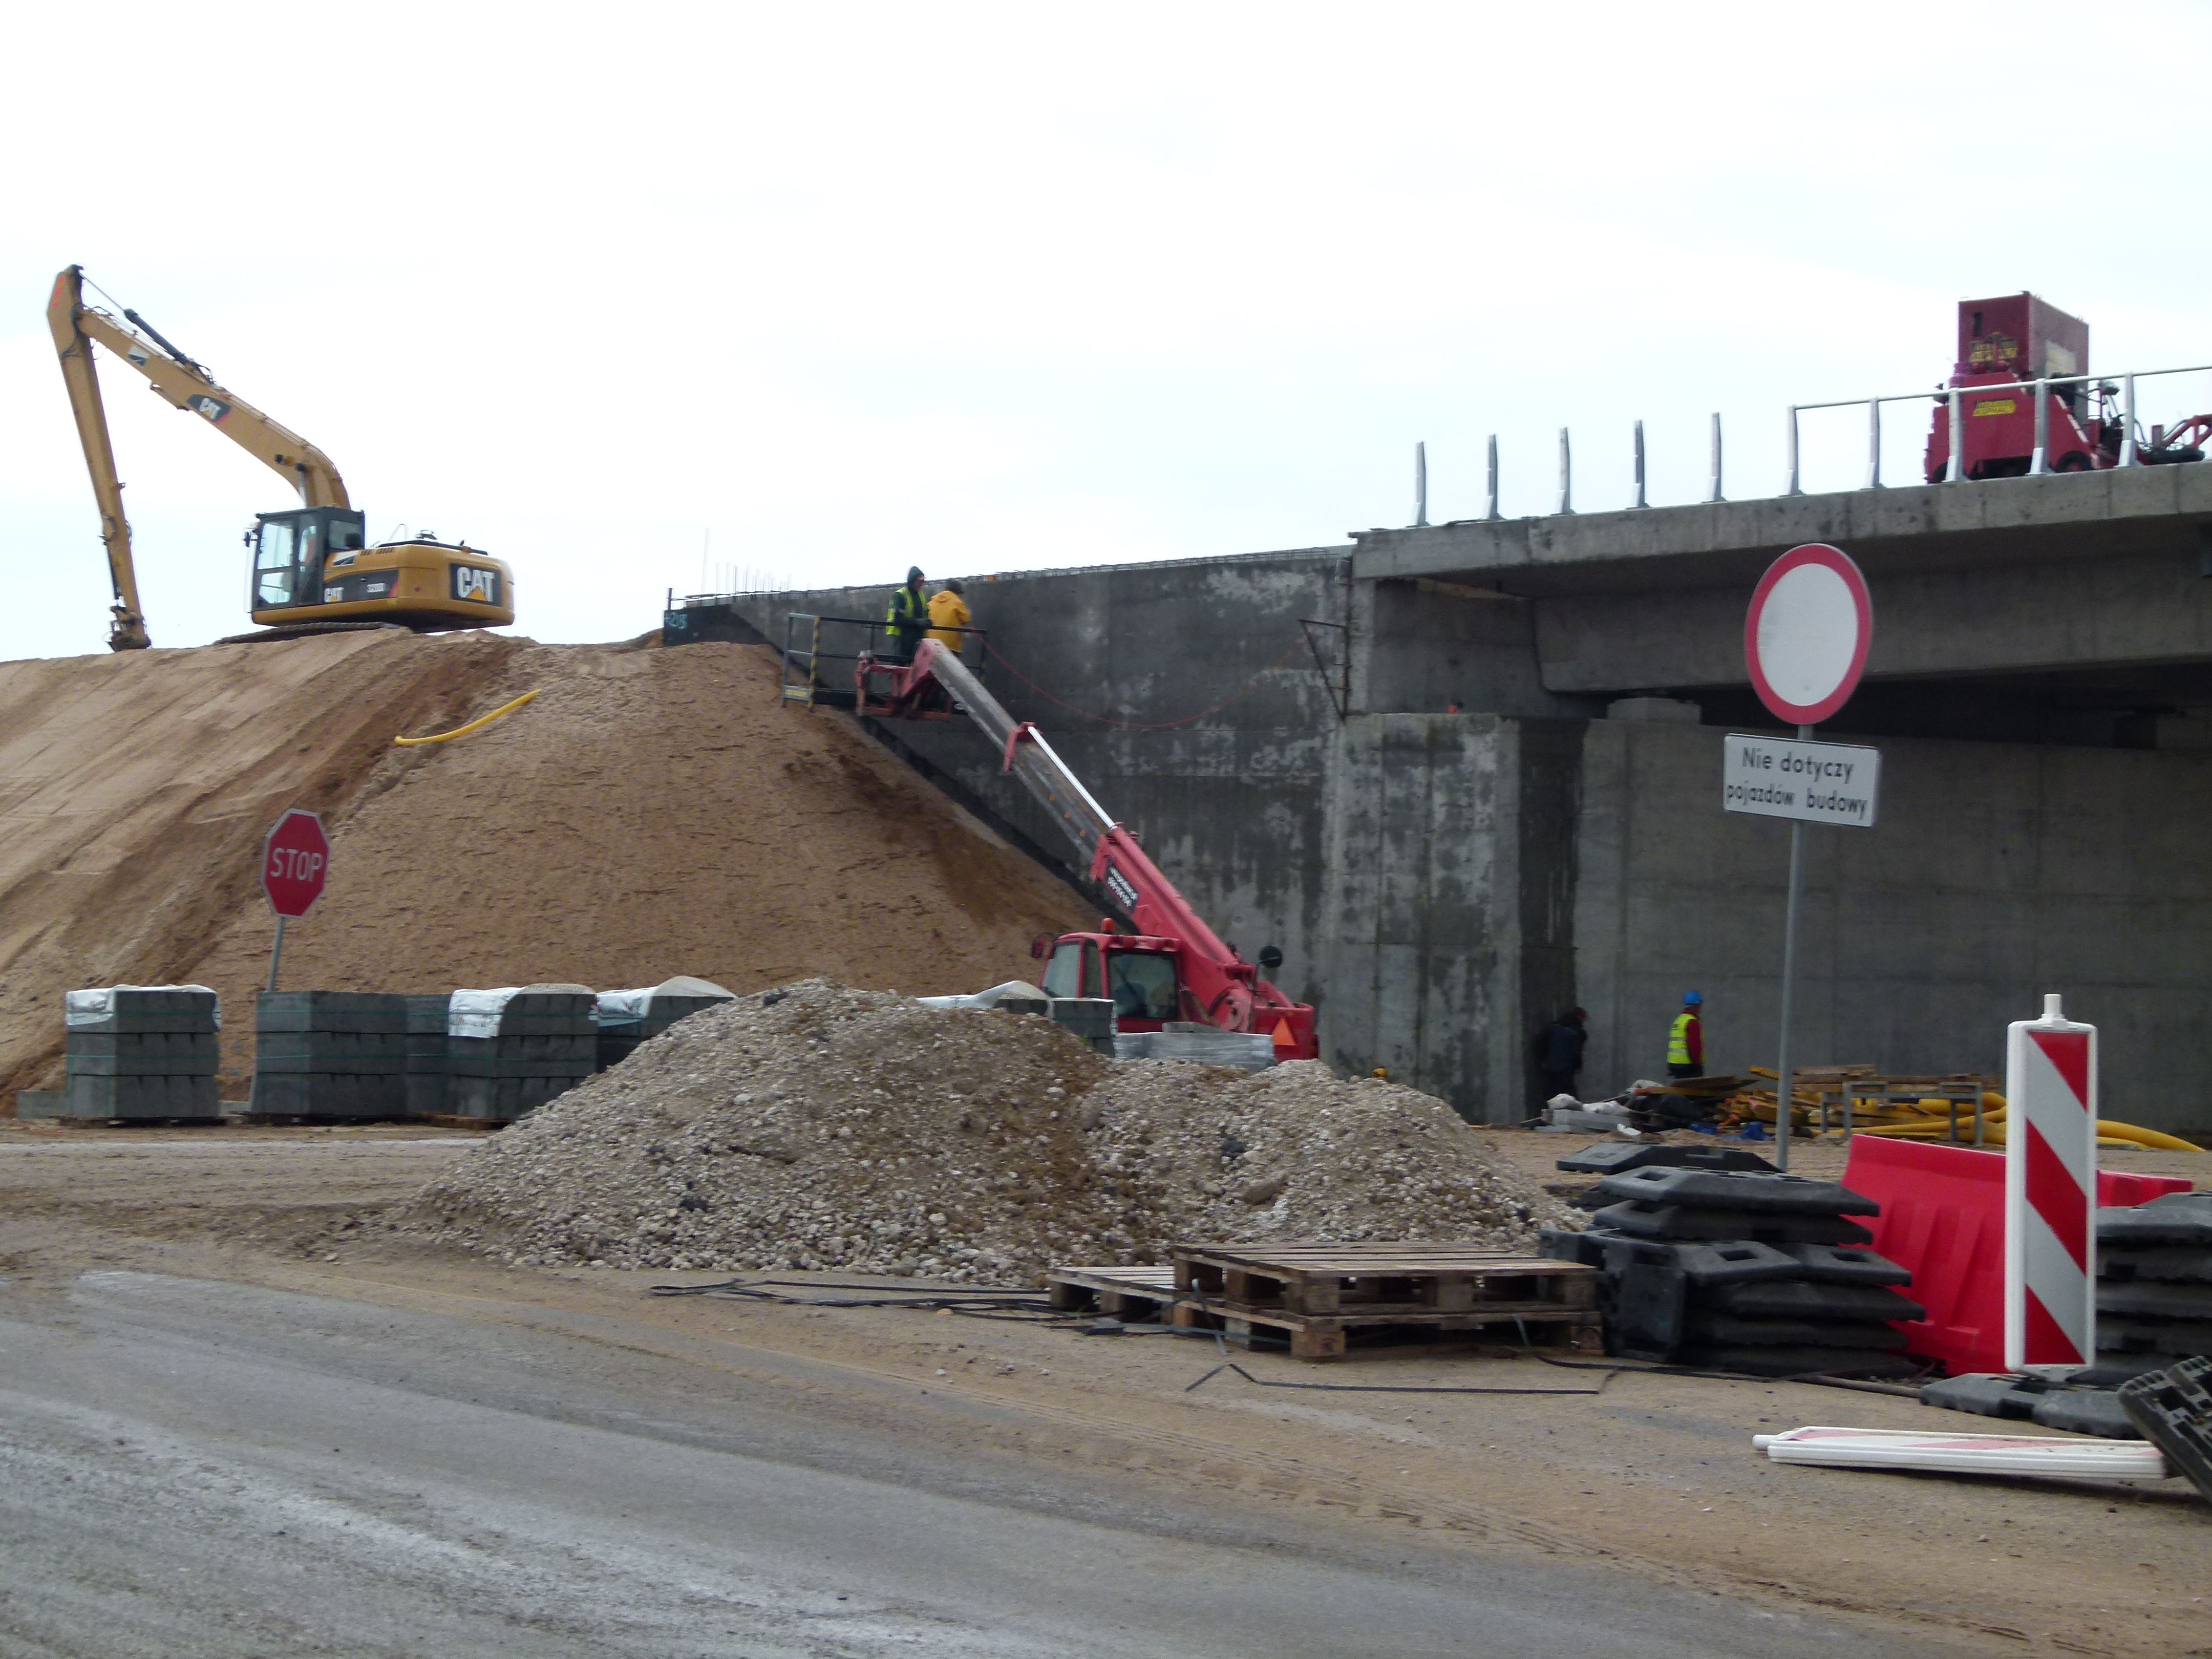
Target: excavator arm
point(184, 385)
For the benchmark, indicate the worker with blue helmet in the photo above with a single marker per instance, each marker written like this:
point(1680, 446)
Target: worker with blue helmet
point(1686, 1042)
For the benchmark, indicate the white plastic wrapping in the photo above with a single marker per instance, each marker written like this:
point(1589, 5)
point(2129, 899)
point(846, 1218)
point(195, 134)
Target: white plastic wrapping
point(616, 1007)
point(990, 998)
point(477, 1013)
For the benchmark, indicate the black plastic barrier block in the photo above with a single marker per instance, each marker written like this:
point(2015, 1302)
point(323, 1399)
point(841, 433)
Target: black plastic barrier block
point(1805, 1298)
point(1721, 1189)
point(1688, 1222)
point(2184, 1218)
point(2155, 1300)
point(1732, 1330)
point(2174, 1409)
point(1839, 1264)
point(1619, 1156)
point(2170, 1336)
point(2179, 1262)
point(2087, 1410)
point(1987, 1394)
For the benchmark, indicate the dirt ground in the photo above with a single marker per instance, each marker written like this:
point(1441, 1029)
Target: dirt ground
point(651, 812)
point(1650, 1475)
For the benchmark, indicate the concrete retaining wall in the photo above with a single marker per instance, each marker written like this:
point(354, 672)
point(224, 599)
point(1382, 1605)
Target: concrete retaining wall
point(1443, 884)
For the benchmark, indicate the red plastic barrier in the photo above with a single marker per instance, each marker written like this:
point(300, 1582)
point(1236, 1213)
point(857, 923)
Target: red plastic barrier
point(1942, 1218)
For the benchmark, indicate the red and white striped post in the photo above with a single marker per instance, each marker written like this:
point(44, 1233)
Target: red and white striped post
point(2051, 1193)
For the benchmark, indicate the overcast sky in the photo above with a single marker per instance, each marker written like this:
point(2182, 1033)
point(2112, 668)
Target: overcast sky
point(843, 287)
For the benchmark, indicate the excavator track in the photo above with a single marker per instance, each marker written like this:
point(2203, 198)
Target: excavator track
point(303, 630)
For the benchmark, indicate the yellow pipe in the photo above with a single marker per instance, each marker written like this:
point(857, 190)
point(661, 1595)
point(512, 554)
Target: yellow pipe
point(473, 726)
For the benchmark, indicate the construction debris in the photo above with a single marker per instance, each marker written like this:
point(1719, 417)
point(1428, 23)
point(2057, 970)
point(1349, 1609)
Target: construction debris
point(1965, 1454)
point(819, 1126)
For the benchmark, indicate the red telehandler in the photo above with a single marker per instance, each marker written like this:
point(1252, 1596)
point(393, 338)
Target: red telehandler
point(1173, 967)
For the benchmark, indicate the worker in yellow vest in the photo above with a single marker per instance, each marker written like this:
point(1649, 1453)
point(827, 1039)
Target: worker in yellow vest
point(1686, 1043)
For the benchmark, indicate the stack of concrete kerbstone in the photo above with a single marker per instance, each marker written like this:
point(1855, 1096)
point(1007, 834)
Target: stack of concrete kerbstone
point(1753, 1271)
point(141, 1051)
point(511, 1050)
point(2153, 1285)
point(427, 1063)
point(1210, 1045)
point(627, 1018)
point(329, 1054)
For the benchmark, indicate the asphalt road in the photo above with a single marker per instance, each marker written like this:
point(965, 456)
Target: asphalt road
point(189, 1468)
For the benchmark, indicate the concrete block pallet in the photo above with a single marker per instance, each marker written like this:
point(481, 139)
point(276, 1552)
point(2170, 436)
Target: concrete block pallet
point(536, 1047)
point(141, 1054)
point(329, 1056)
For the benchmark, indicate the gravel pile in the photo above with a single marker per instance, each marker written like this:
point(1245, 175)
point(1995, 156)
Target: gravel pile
point(818, 1126)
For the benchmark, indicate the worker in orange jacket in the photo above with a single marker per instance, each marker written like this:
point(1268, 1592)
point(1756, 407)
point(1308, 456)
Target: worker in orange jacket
point(948, 612)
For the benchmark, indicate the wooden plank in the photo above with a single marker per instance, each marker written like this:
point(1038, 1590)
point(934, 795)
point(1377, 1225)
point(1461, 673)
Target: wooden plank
point(1142, 1292)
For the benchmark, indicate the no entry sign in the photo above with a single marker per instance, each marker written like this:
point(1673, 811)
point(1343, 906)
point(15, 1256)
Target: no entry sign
point(1805, 637)
point(295, 861)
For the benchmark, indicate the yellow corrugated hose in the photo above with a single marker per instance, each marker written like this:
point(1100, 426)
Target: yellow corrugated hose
point(473, 726)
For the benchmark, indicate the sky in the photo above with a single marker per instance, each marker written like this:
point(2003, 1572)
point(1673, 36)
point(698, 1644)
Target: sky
point(671, 296)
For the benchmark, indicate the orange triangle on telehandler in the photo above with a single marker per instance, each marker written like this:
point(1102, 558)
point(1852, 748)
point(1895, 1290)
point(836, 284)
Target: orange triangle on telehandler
point(1283, 1038)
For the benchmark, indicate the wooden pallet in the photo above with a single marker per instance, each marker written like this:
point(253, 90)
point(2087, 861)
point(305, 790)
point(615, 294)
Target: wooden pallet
point(1310, 1337)
point(1141, 1294)
point(1333, 1280)
point(448, 1120)
point(1322, 1293)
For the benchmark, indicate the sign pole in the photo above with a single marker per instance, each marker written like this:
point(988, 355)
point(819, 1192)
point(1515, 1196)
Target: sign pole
point(1785, 1082)
point(276, 952)
point(1805, 641)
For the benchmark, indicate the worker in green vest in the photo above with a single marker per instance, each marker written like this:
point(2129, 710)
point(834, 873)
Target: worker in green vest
point(907, 617)
point(1686, 1043)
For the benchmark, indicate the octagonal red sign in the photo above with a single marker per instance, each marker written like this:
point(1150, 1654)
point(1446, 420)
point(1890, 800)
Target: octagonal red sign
point(295, 861)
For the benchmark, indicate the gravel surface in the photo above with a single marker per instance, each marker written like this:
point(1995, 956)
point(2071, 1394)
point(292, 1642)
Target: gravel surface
point(820, 1126)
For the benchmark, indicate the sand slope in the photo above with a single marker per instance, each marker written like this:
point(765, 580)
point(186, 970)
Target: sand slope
point(652, 812)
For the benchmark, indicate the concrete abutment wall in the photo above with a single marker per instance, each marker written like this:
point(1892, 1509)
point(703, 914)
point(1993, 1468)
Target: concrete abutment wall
point(1441, 884)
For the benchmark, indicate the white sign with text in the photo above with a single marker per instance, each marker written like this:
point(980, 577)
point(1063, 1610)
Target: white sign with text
point(1784, 778)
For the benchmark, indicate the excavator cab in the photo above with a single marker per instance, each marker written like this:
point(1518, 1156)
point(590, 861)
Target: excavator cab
point(290, 551)
point(312, 567)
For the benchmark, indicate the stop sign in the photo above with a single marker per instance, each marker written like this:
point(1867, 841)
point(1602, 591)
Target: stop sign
point(295, 861)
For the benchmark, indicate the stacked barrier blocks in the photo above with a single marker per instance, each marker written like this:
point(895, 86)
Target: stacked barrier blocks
point(424, 1078)
point(1759, 1272)
point(152, 1054)
point(546, 1043)
point(329, 1054)
point(2154, 1283)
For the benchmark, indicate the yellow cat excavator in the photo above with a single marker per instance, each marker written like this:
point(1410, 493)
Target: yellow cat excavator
point(312, 571)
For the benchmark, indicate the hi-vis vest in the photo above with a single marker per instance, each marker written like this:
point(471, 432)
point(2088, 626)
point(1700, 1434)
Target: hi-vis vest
point(1678, 1042)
